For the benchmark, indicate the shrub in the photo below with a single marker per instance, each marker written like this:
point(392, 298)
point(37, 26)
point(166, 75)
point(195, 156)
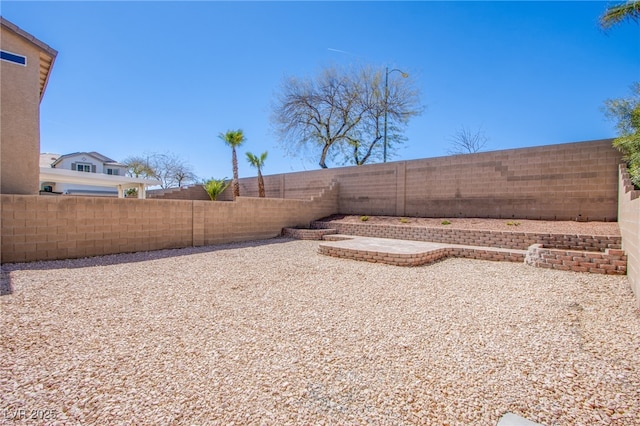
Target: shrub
point(364, 218)
point(404, 220)
point(445, 222)
point(215, 187)
point(512, 223)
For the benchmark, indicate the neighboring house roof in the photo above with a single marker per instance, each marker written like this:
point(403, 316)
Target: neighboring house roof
point(101, 158)
point(47, 158)
point(46, 60)
point(48, 174)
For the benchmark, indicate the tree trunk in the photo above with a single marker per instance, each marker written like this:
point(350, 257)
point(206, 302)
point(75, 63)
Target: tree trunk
point(260, 184)
point(236, 184)
point(323, 156)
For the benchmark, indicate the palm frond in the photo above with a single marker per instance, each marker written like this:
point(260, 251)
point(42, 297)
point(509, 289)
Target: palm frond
point(629, 10)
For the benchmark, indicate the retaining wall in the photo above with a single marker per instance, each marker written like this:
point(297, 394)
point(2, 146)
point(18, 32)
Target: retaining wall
point(418, 259)
point(510, 240)
point(629, 222)
point(574, 181)
point(612, 261)
point(46, 228)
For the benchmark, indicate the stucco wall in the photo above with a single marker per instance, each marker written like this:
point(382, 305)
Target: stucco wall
point(629, 222)
point(43, 228)
point(20, 117)
point(564, 182)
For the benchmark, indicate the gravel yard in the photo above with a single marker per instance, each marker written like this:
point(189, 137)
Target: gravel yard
point(273, 333)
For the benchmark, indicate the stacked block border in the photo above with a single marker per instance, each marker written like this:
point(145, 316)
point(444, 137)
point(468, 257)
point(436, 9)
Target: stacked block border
point(419, 259)
point(612, 261)
point(307, 234)
point(496, 239)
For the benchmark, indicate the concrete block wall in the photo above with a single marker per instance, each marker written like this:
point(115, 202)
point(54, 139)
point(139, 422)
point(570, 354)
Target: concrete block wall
point(46, 228)
point(41, 228)
point(193, 192)
point(629, 222)
point(574, 181)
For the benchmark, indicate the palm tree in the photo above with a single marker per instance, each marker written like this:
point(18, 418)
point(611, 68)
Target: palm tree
point(615, 14)
point(234, 138)
point(258, 163)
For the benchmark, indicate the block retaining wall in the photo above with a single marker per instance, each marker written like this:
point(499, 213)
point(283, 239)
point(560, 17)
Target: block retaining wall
point(497, 239)
point(307, 234)
point(47, 228)
point(403, 259)
point(612, 261)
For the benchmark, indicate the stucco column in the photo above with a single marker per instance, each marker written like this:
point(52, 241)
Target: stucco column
point(141, 191)
point(120, 191)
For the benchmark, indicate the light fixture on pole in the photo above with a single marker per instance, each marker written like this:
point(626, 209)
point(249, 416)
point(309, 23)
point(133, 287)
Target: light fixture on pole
point(386, 103)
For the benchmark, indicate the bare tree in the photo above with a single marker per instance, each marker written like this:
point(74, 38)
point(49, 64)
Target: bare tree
point(467, 141)
point(339, 114)
point(139, 166)
point(170, 169)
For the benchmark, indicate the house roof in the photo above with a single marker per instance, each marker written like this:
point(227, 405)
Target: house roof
point(47, 158)
point(47, 53)
point(102, 158)
point(48, 174)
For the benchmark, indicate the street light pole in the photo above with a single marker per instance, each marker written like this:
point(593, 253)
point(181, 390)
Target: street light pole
point(386, 103)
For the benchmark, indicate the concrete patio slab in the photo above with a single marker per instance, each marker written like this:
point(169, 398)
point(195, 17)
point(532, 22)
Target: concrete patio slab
point(407, 252)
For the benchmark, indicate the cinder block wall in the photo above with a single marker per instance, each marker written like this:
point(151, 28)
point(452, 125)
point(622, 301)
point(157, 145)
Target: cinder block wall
point(562, 182)
point(629, 222)
point(193, 192)
point(46, 228)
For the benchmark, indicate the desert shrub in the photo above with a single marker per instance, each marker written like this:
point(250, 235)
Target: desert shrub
point(215, 187)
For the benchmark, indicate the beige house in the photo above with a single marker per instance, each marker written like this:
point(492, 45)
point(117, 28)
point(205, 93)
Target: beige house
point(25, 66)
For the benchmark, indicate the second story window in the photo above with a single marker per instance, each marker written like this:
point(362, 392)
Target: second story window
point(83, 168)
point(115, 172)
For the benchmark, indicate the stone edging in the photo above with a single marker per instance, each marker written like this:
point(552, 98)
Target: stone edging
point(307, 234)
point(612, 261)
point(419, 259)
point(497, 239)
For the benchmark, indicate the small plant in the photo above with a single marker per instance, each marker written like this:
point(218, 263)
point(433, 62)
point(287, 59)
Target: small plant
point(215, 187)
point(364, 218)
point(404, 220)
point(445, 222)
point(512, 223)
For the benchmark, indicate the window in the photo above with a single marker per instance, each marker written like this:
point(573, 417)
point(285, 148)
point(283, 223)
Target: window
point(114, 172)
point(13, 57)
point(84, 168)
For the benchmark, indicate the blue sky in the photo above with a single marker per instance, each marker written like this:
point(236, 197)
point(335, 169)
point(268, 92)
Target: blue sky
point(132, 78)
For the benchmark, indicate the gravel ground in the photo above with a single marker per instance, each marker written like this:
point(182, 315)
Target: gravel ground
point(273, 333)
point(506, 225)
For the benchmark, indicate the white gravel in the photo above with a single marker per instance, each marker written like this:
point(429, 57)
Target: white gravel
point(274, 333)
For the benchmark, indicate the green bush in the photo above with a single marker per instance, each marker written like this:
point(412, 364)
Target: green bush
point(626, 111)
point(445, 222)
point(364, 218)
point(215, 187)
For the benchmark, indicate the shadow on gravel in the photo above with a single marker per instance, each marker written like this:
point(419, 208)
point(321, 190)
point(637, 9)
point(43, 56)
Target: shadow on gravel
point(5, 283)
point(6, 287)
